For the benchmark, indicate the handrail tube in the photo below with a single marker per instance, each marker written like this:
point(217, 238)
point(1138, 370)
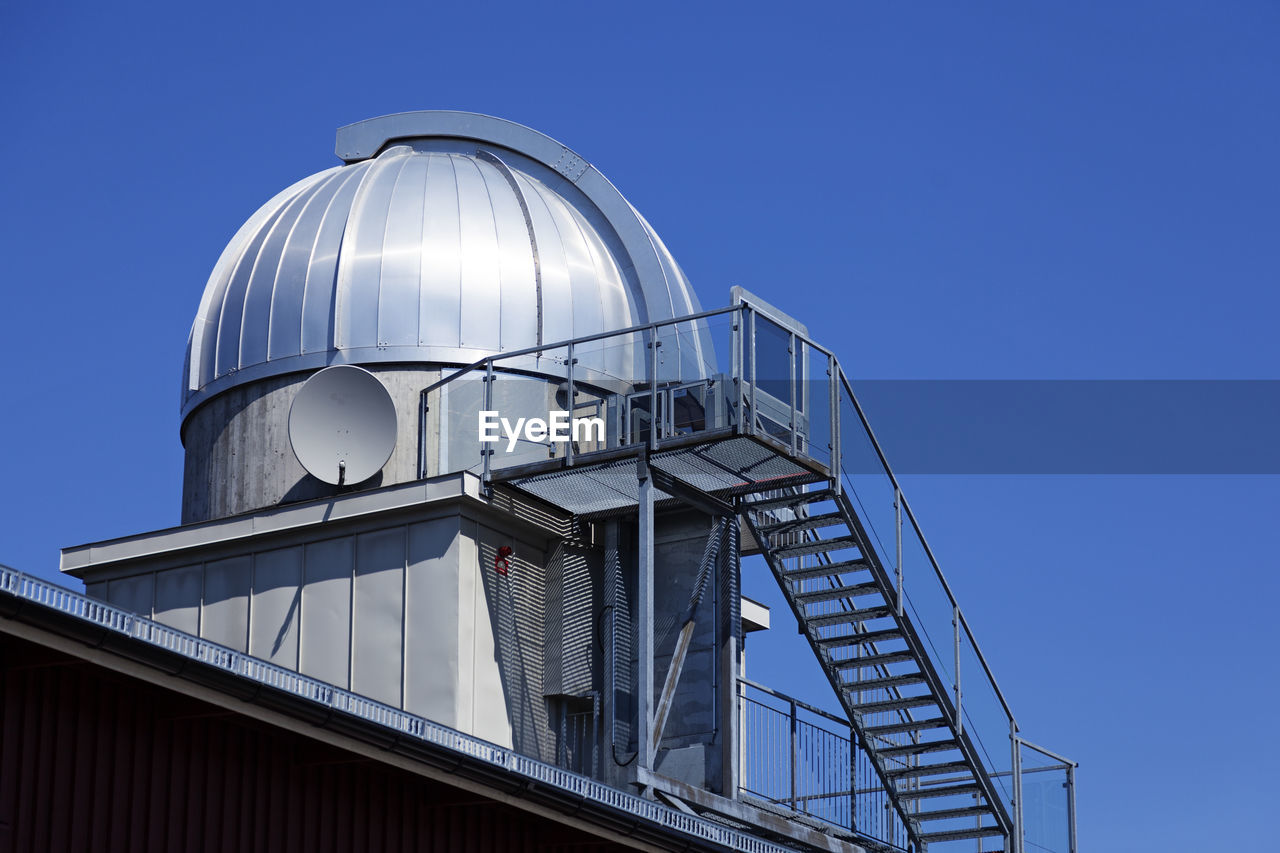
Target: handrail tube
point(585, 339)
point(906, 505)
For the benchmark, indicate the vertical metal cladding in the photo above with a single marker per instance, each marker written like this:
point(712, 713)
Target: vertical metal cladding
point(437, 249)
point(92, 760)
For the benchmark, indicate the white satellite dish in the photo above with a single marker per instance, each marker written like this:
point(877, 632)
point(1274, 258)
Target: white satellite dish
point(342, 425)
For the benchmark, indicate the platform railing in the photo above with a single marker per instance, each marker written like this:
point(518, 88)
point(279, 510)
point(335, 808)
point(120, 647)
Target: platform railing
point(798, 757)
point(740, 370)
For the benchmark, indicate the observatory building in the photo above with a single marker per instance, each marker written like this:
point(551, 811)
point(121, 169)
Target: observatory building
point(469, 477)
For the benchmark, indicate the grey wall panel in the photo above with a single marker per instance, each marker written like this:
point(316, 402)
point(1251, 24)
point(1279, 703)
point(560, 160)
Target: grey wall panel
point(277, 598)
point(225, 616)
point(377, 621)
point(96, 590)
point(432, 630)
point(509, 636)
point(483, 699)
point(178, 598)
point(324, 638)
point(135, 594)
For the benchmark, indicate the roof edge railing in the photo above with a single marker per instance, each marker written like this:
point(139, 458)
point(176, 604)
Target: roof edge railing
point(28, 588)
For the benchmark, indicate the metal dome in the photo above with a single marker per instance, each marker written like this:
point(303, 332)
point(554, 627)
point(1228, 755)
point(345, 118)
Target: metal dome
point(446, 237)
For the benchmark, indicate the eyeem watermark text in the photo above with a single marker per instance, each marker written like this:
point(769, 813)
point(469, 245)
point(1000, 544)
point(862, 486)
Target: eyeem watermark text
point(558, 428)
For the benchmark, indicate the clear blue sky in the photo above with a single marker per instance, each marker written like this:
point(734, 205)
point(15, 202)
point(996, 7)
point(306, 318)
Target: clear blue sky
point(940, 190)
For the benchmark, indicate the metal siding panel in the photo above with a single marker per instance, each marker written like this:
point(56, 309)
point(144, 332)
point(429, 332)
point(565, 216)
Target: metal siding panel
point(255, 326)
point(291, 275)
point(432, 635)
point(401, 257)
point(583, 307)
point(277, 595)
point(322, 271)
point(231, 315)
point(325, 633)
point(224, 618)
point(439, 301)
point(493, 615)
point(553, 265)
point(178, 598)
point(360, 259)
point(135, 594)
point(377, 621)
point(518, 287)
point(481, 300)
point(588, 313)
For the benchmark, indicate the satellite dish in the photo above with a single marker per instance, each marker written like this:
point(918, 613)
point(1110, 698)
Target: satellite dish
point(342, 425)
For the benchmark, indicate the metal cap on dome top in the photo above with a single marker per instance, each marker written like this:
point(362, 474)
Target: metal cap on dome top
point(445, 237)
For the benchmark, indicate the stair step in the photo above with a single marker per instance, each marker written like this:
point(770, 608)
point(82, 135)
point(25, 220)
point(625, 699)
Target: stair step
point(837, 593)
point(787, 501)
point(797, 525)
point(918, 748)
point(862, 639)
point(884, 683)
point(961, 834)
point(930, 770)
point(849, 617)
point(896, 704)
point(816, 546)
point(828, 569)
point(949, 814)
point(938, 791)
point(874, 660)
point(905, 726)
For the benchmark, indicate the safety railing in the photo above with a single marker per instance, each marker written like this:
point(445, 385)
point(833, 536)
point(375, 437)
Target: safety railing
point(738, 370)
point(800, 758)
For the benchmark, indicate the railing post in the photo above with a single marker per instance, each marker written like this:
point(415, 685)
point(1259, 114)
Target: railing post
point(1071, 808)
point(795, 756)
point(569, 405)
point(1015, 746)
point(755, 380)
point(897, 525)
point(739, 367)
point(488, 407)
point(791, 359)
point(654, 343)
point(833, 391)
point(955, 640)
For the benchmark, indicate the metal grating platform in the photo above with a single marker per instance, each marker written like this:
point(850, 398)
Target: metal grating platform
point(734, 465)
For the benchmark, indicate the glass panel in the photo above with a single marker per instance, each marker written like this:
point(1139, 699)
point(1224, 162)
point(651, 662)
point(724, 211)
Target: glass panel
point(706, 359)
point(1046, 802)
point(533, 420)
point(451, 433)
point(985, 722)
point(606, 373)
point(773, 380)
point(814, 404)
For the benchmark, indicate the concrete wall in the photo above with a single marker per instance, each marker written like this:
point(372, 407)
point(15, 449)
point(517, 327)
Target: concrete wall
point(238, 456)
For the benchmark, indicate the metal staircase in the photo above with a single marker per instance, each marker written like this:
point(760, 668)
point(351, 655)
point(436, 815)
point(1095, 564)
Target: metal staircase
point(849, 605)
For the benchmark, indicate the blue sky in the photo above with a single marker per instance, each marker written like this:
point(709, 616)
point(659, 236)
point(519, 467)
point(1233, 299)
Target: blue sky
point(940, 190)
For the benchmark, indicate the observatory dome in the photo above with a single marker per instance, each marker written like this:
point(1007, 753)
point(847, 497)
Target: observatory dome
point(445, 237)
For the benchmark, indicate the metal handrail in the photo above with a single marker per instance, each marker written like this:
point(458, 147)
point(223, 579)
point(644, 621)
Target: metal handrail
point(906, 505)
point(585, 339)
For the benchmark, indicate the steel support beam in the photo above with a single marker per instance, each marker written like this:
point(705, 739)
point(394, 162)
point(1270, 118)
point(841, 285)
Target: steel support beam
point(644, 616)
